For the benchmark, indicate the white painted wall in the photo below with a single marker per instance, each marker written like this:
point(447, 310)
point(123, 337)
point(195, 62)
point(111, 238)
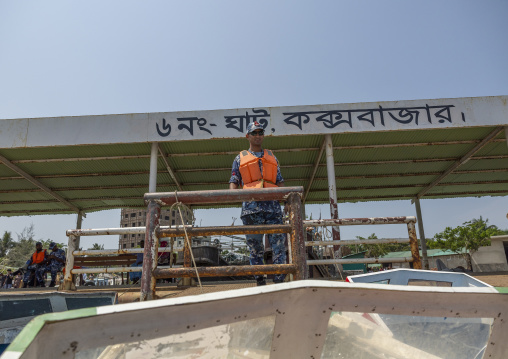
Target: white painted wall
point(491, 258)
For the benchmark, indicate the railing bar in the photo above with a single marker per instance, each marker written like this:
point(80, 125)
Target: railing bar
point(360, 260)
point(226, 271)
point(356, 241)
point(227, 230)
point(116, 251)
point(358, 221)
point(114, 231)
point(106, 270)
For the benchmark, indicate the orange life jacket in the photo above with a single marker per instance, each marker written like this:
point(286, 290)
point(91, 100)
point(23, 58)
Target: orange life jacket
point(251, 174)
point(38, 257)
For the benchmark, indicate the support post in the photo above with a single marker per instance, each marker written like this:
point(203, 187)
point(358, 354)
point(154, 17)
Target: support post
point(150, 252)
point(187, 260)
point(423, 241)
point(152, 184)
point(413, 242)
point(72, 245)
point(298, 253)
point(332, 192)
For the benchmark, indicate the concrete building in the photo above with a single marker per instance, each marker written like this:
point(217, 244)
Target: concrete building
point(137, 218)
point(492, 258)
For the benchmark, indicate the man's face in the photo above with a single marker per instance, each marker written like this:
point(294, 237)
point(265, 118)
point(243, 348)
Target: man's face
point(38, 247)
point(256, 137)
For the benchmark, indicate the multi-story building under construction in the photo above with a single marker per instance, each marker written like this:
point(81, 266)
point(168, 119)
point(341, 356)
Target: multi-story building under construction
point(137, 218)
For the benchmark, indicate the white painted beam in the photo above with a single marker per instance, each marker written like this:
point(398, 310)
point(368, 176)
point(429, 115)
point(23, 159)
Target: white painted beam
point(278, 121)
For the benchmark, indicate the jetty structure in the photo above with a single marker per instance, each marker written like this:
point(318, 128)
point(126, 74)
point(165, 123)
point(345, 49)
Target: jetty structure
point(414, 149)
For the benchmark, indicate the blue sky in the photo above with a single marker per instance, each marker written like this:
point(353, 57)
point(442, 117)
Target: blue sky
point(61, 58)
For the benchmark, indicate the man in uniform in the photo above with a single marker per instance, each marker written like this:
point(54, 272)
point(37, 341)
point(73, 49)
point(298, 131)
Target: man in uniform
point(136, 276)
point(258, 168)
point(36, 261)
point(54, 264)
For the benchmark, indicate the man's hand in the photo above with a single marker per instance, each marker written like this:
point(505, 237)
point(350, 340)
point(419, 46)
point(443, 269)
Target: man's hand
point(233, 185)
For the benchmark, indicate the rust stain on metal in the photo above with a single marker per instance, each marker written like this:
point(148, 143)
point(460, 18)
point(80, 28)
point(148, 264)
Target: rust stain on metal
point(335, 230)
point(359, 221)
point(225, 271)
point(298, 251)
point(222, 196)
point(413, 242)
point(207, 231)
point(150, 252)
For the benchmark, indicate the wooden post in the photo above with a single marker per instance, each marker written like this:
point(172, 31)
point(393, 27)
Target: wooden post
point(298, 253)
point(72, 245)
point(150, 252)
point(413, 242)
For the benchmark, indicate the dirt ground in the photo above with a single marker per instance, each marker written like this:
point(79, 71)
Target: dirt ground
point(496, 279)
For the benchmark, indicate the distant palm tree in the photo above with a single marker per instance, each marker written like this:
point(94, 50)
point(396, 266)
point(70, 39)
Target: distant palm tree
point(97, 246)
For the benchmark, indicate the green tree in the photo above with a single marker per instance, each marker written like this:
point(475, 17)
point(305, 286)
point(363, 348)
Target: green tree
point(46, 242)
point(97, 246)
point(373, 250)
point(377, 250)
point(466, 239)
point(23, 247)
point(6, 244)
point(244, 250)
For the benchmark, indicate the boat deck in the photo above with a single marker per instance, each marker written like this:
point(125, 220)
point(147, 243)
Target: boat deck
point(130, 293)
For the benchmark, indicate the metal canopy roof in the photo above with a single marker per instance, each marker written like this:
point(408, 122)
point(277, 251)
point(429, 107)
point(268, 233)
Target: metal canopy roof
point(460, 157)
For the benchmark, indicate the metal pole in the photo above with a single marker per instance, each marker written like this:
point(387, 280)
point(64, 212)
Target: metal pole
point(223, 196)
point(358, 221)
point(153, 168)
point(423, 241)
point(224, 271)
point(357, 241)
point(332, 191)
point(298, 251)
point(150, 253)
point(316, 262)
point(72, 244)
point(79, 222)
point(413, 242)
point(187, 260)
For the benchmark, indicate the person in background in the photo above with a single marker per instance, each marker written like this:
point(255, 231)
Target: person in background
point(8, 280)
point(163, 256)
point(136, 276)
point(54, 263)
point(37, 260)
point(17, 279)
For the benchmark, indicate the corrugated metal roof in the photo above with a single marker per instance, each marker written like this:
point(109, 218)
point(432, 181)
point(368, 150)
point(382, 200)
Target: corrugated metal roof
point(369, 166)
